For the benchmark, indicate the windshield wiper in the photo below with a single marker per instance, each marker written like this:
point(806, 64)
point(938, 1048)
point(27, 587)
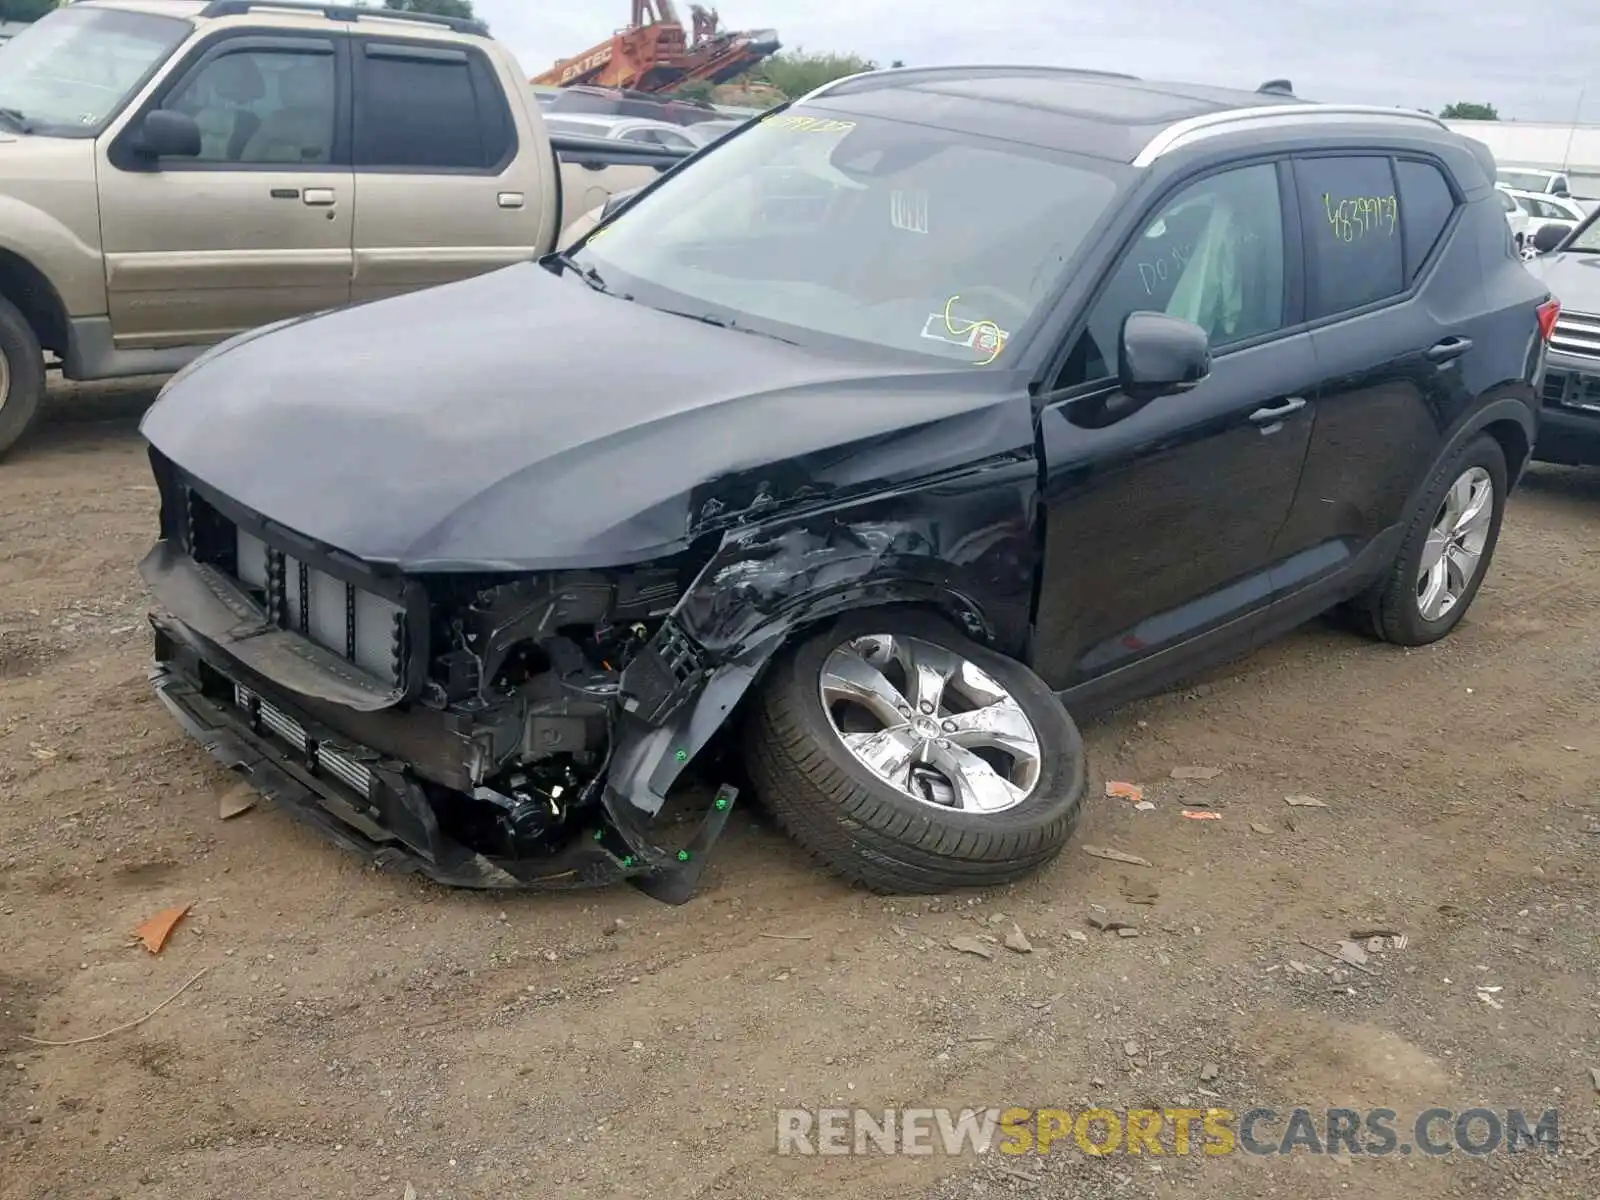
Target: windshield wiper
point(725, 323)
point(16, 119)
point(586, 273)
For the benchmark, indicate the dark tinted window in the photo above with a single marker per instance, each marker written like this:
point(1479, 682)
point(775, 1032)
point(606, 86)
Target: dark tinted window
point(1425, 208)
point(424, 108)
point(1351, 220)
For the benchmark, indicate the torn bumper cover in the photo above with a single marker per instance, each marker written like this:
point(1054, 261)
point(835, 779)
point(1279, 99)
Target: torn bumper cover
point(349, 769)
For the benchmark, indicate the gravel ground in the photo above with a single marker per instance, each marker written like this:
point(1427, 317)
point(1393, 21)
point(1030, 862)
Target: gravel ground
point(360, 1034)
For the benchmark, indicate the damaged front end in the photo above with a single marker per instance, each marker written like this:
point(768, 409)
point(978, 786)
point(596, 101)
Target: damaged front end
point(503, 729)
point(464, 726)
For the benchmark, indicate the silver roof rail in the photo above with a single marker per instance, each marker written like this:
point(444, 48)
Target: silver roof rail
point(957, 73)
point(1195, 128)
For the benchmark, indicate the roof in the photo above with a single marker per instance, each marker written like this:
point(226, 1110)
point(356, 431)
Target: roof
point(281, 11)
point(1098, 113)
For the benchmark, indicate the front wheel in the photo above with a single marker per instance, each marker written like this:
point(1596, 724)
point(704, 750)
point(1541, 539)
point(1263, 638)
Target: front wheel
point(910, 759)
point(21, 375)
point(1447, 548)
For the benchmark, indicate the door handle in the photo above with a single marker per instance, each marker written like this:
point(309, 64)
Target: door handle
point(1274, 413)
point(509, 199)
point(317, 196)
point(1448, 350)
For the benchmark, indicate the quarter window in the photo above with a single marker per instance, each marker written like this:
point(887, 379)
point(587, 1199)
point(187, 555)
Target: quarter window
point(1350, 213)
point(263, 106)
point(1213, 255)
point(1426, 204)
point(422, 108)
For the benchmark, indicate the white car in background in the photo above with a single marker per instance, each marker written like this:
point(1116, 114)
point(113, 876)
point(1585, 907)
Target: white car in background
point(1543, 209)
point(1533, 179)
point(630, 129)
point(1515, 217)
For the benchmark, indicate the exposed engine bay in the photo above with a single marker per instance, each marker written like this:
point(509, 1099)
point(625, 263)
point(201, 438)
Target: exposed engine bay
point(466, 724)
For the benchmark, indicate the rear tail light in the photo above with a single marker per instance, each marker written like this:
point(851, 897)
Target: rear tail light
point(1548, 312)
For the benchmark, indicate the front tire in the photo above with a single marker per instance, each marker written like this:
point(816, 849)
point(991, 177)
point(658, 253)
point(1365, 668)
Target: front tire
point(907, 758)
point(21, 375)
point(1447, 549)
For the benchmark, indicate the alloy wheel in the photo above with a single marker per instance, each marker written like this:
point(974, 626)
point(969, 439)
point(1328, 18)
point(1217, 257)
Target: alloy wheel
point(5, 379)
point(1453, 554)
point(930, 724)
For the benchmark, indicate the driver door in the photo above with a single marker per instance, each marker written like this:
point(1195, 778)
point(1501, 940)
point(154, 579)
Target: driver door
point(1159, 526)
point(258, 225)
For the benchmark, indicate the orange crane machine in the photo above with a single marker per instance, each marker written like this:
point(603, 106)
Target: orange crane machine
point(655, 53)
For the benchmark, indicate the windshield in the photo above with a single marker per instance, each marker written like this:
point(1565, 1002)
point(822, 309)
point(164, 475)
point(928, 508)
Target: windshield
point(900, 236)
point(71, 70)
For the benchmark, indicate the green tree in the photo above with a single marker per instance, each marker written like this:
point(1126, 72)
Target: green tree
point(796, 73)
point(696, 89)
point(1467, 111)
point(24, 10)
point(439, 8)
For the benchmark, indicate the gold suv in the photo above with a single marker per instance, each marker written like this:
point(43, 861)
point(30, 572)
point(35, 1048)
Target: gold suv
point(173, 172)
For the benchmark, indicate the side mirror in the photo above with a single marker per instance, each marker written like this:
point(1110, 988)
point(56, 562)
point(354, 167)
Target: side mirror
point(167, 133)
point(1549, 237)
point(1161, 355)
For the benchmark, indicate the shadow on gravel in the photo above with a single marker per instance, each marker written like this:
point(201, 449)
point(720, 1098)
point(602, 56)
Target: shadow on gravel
point(1580, 485)
point(87, 416)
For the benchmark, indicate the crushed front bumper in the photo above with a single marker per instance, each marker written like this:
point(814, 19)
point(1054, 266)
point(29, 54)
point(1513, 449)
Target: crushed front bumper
point(370, 805)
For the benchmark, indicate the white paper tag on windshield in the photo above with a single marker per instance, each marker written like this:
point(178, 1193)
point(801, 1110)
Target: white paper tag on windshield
point(984, 336)
point(908, 210)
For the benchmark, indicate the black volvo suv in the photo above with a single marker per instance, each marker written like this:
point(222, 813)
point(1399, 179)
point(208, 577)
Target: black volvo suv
point(902, 423)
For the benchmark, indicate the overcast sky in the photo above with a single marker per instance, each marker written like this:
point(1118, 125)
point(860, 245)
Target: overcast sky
point(1529, 58)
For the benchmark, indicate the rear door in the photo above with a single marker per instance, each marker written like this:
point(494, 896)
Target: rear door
point(1393, 318)
point(443, 189)
point(1159, 526)
point(254, 228)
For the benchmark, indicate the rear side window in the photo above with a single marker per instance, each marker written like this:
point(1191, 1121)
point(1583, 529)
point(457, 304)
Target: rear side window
point(1426, 203)
point(427, 108)
point(1350, 214)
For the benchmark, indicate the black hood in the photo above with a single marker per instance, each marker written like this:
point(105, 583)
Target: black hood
point(520, 420)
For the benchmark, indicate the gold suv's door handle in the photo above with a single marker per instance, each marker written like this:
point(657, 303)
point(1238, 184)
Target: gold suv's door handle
point(317, 196)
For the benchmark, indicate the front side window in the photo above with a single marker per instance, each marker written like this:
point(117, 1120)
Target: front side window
point(73, 69)
point(900, 236)
point(260, 107)
point(1350, 215)
point(1213, 254)
point(426, 109)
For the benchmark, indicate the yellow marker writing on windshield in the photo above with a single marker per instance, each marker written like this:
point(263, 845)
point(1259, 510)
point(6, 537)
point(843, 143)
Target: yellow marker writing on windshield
point(797, 123)
point(986, 335)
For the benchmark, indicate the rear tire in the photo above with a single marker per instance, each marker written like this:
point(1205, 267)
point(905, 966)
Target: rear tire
point(1409, 609)
point(21, 376)
point(861, 827)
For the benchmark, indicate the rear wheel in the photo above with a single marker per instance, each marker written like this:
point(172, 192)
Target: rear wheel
point(908, 758)
point(21, 375)
point(1448, 546)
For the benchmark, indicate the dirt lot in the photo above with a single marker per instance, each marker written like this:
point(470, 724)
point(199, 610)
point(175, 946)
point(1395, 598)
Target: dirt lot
point(356, 1033)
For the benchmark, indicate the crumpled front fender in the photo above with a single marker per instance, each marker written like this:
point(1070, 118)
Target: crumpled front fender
point(964, 546)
